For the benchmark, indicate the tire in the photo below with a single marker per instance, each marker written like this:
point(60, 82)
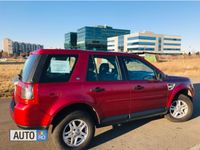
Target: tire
point(67, 125)
point(184, 112)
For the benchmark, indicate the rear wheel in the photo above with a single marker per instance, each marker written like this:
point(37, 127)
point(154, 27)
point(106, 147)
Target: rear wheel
point(74, 132)
point(181, 109)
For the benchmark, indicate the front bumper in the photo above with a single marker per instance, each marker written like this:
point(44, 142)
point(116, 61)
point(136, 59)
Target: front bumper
point(29, 116)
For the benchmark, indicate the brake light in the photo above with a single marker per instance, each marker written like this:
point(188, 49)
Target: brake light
point(27, 92)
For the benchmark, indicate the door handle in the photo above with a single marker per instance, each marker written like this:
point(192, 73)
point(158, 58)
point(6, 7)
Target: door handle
point(97, 89)
point(138, 87)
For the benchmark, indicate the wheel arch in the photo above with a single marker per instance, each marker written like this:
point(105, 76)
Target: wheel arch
point(184, 92)
point(78, 106)
point(174, 96)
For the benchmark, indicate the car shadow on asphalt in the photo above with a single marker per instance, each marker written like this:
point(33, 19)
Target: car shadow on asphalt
point(117, 131)
point(196, 101)
point(126, 127)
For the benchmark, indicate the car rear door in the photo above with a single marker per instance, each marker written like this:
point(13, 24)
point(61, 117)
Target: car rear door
point(148, 95)
point(54, 88)
point(105, 81)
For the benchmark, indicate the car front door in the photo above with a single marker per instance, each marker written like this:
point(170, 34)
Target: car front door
point(148, 94)
point(112, 93)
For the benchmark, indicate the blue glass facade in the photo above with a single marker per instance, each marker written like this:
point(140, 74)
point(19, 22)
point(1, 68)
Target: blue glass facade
point(70, 40)
point(95, 38)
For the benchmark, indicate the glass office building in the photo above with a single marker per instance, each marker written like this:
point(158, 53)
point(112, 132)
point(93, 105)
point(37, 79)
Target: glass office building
point(95, 38)
point(70, 40)
point(146, 42)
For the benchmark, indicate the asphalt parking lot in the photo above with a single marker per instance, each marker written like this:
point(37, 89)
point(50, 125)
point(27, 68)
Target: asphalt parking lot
point(151, 134)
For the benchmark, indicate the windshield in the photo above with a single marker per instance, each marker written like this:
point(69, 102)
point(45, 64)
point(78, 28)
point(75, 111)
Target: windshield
point(28, 68)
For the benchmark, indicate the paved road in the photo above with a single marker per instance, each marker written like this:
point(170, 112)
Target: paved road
point(151, 134)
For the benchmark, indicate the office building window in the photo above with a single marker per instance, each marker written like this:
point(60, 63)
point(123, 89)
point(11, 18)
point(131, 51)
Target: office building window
point(172, 49)
point(141, 48)
point(172, 39)
point(172, 44)
point(141, 43)
point(142, 38)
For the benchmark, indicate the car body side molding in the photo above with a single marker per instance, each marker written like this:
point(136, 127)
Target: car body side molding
point(134, 116)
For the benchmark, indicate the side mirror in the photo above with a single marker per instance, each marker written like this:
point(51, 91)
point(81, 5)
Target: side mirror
point(160, 76)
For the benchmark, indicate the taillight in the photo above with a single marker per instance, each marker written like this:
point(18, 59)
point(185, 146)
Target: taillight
point(27, 92)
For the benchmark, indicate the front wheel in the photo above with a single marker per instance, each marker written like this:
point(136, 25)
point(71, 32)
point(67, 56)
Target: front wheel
point(181, 109)
point(74, 132)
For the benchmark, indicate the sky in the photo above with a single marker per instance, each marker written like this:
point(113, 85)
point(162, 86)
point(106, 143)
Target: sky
point(46, 22)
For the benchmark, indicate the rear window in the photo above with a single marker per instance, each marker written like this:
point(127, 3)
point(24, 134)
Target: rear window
point(28, 69)
point(58, 68)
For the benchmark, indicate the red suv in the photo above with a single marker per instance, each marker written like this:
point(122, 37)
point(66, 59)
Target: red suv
point(75, 91)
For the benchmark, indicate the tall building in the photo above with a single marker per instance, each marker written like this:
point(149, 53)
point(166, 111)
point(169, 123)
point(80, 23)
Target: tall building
point(145, 42)
point(14, 47)
point(70, 40)
point(95, 38)
point(7, 46)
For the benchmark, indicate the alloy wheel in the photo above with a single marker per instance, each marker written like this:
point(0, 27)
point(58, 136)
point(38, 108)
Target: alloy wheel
point(178, 109)
point(75, 133)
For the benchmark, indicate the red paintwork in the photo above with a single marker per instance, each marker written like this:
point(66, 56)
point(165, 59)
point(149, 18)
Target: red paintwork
point(182, 83)
point(119, 97)
point(153, 96)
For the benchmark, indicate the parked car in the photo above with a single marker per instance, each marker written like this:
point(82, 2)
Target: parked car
point(75, 91)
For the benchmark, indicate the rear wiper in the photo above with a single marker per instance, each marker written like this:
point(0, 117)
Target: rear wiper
point(20, 75)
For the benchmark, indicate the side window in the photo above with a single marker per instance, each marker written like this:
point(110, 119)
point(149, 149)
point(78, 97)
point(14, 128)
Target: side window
point(138, 70)
point(58, 68)
point(103, 68)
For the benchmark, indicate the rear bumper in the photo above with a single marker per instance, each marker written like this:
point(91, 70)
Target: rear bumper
point(29, 116)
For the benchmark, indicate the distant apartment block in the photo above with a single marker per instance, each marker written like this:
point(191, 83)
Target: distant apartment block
point(7, 46)
point(92, 38)
point(70, 40)
point(145, 42)
point(14, 47)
